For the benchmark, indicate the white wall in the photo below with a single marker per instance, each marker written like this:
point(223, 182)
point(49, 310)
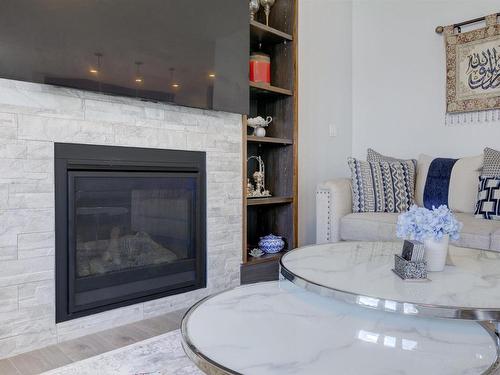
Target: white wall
point(375, 69)
point(399, 79)
point(324, 100)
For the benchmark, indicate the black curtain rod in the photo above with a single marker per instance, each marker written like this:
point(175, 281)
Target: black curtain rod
point(440, 29)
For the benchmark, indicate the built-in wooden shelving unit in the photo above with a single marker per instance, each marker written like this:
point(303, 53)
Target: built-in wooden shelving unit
point(276, 214)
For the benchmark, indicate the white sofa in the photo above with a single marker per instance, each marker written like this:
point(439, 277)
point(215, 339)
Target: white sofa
point(336, 222)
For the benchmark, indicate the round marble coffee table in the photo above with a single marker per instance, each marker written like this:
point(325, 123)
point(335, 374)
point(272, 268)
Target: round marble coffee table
point(360, 273)
point(278, 328)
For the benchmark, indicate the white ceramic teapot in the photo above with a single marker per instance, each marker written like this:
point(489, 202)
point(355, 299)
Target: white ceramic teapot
point(258, 124)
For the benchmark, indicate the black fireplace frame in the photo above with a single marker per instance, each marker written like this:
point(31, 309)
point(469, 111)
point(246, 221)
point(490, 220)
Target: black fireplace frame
point(71, 157)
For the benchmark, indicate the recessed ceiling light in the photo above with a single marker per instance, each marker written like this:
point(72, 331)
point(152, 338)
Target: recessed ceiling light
point(212, 75)
point(138, 75)
point(94, 69)
point(175, 85)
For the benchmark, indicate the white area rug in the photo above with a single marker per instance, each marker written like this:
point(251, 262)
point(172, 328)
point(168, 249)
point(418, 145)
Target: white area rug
point(158, 355)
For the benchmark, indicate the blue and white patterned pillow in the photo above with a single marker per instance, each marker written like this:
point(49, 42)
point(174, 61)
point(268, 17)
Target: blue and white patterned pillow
point(382, 186)
point(491, 166)
point(488, 198)
point(450, 182)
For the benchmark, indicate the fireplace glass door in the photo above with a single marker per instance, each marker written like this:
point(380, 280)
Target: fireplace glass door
point(132, 232)
point(123, 222)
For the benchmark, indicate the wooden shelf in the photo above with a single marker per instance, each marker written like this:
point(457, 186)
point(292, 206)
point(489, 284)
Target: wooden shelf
point(260, 88)
point(260, 33)
point(265, 258)
point(279, 141)
point(279, 150)
point(270, 200)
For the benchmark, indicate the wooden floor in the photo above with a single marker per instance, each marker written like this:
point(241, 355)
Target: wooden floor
point(67, 352)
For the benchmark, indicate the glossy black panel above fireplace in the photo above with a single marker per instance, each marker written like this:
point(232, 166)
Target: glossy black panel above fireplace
point(130, 226)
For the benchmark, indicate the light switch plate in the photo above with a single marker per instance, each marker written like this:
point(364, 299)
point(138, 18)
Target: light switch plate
point(332, 130)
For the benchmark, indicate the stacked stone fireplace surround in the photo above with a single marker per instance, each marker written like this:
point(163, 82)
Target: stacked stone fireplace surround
point(32, 118)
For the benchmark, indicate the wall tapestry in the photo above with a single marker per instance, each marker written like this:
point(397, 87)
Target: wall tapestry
point(473, 73)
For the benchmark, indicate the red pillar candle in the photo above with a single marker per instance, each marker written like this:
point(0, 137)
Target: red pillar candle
point(260, 68)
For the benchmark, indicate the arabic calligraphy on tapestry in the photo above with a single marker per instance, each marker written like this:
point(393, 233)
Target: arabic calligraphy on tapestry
point(478, 69)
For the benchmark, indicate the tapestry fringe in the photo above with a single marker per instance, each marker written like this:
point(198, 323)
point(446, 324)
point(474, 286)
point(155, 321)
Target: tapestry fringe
point(472, 117)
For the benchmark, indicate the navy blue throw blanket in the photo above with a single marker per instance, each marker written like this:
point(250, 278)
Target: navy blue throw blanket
point(438, 182)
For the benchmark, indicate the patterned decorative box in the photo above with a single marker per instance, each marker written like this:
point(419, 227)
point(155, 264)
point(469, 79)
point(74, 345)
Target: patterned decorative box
point(409, 270)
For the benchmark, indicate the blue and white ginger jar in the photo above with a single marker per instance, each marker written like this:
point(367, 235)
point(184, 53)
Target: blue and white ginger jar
point(271, 244)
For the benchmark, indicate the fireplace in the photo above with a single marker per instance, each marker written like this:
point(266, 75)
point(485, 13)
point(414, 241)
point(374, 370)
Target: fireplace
point(130, 226)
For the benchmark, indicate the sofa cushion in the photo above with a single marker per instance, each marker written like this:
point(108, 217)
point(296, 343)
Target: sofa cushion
point(369, 226)
point(462, 187)
point(495, 240)
point(382, 186)
point(372, 155)
point(491, 163)
point(463, 184)
point(437, 184)
point(488, 198)
point(476, 233)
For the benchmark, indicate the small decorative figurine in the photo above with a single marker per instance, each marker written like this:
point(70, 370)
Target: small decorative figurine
point(256, 253)
point(259, 124)
point(259, 178)
point(249, 187)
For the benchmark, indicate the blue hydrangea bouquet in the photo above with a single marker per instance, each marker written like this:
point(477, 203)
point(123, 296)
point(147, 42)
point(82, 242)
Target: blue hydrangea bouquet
point(421, 224)
point(432, 227)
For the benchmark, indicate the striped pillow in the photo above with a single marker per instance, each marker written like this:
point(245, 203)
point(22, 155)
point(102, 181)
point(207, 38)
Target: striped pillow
point(382, 186)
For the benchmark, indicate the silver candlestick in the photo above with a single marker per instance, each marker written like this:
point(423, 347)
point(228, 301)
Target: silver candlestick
point(267, 4)
point(254, 8)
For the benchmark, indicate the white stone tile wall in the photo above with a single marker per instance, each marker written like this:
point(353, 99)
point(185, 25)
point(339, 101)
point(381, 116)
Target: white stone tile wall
point(32, 118)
